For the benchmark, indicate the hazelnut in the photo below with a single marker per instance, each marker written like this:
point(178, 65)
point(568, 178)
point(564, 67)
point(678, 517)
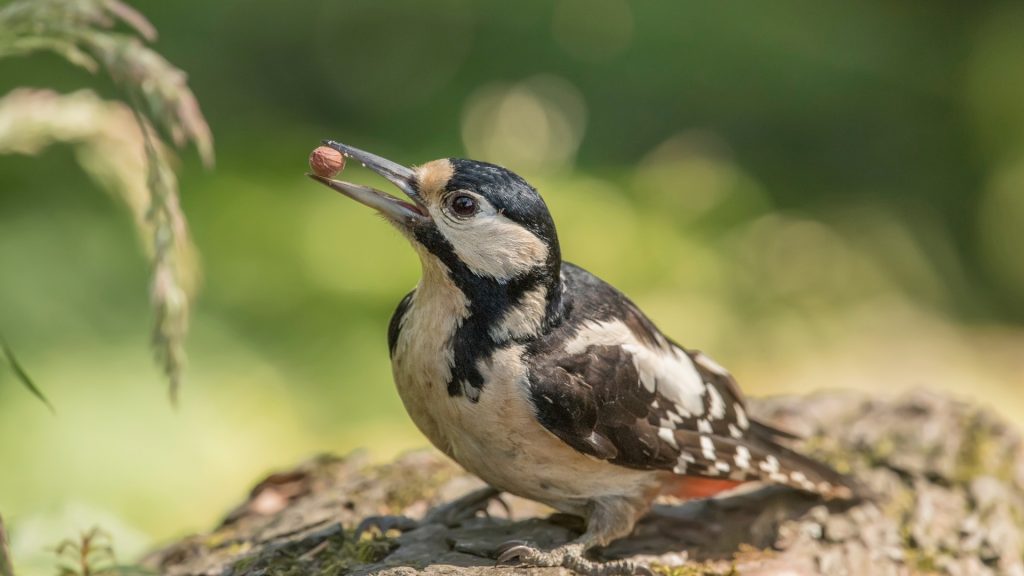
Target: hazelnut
point(326, 162)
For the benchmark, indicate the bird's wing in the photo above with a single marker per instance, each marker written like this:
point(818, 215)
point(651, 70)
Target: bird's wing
point(620, 391)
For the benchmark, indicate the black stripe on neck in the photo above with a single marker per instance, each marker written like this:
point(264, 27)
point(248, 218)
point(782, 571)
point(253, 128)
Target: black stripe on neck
point(489, 300)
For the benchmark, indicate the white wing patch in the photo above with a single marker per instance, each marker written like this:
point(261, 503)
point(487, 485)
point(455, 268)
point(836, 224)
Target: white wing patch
point(685, 459)
point(742, 457)
point(687, 403)
point(709, 364)
point(667, 435)
point(741, 416)
point(717, 402)
point(672, 374)
point(613, 333)
point(668, 371)
point(707, 448)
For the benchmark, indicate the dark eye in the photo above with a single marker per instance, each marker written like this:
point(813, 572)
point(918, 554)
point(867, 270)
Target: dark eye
point(463, 205)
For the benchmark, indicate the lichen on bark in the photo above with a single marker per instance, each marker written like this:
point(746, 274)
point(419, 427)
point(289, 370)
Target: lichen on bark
point(946, 496)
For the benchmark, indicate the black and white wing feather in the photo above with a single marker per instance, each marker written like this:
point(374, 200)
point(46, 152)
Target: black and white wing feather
point(610, 385)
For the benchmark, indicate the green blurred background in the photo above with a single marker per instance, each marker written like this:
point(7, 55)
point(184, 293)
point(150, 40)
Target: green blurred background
point(819, 196)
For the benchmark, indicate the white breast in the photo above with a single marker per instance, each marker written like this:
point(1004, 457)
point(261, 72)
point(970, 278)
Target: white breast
point(423, 355)
point(498, 438)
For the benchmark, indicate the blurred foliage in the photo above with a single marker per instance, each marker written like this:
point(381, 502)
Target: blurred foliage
point(816, 195)
point(92, 554)
point(82, 31)
point(7, 355)
point(131, 161)
point(6, 565)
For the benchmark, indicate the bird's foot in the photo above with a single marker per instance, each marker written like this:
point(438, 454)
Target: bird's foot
point(385, 524)
point(568, 556)
point(466, 507)
point(451, 514)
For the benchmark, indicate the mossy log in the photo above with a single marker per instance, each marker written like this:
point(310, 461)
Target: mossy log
point(946, 481)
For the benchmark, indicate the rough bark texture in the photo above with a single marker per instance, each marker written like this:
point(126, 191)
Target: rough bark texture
point(947, 480)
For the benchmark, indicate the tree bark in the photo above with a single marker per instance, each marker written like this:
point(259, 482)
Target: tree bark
point(946, 495)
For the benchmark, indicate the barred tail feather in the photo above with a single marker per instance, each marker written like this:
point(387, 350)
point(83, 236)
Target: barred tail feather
point(758, 457)
point(804, 473)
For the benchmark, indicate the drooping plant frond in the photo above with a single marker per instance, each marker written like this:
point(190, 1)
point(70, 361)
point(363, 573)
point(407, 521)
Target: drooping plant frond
point(126, 147)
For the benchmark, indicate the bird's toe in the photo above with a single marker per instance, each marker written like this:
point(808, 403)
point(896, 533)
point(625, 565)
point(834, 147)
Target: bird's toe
point(516, 550)
point(466, 507)
point(384, 524)
point(586, 567)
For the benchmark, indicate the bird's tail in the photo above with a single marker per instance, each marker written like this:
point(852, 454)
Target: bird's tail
point(796, 470)
point(760, 455)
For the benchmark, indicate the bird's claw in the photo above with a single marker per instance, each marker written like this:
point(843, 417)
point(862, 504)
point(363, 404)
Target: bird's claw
point(383, 524)
point(514, 550)
point(450, 514)
point(465, 507)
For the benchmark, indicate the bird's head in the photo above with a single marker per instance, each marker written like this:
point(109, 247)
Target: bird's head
point(488, 227)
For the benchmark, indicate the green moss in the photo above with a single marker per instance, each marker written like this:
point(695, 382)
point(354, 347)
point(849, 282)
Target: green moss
point(701, 569)
point(219, 538)
point(333, 556)
point(880, 451)
point(243, 565)
point(828, 451)
point(745, 554)
point(411, 486)
point(237, 548)
point(981, 453)
point(920, 562)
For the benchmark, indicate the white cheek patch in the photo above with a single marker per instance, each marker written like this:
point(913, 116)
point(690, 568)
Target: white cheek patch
point(491, 245)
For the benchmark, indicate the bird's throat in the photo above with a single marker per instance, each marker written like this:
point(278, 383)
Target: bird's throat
point(478, 317)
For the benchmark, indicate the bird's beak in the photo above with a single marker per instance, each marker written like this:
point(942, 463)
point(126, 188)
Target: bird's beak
point(389, 206)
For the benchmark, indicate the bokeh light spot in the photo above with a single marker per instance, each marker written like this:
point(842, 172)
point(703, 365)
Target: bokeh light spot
point(533, 125)
point(692, 175)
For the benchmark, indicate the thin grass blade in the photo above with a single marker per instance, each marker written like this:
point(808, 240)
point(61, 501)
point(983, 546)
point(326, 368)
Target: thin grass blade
point(23, 376)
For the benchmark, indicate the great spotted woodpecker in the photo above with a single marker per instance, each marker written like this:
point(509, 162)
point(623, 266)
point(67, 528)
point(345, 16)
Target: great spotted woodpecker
point(547, 382)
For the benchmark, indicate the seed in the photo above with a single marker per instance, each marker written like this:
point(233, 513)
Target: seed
point(326, 162)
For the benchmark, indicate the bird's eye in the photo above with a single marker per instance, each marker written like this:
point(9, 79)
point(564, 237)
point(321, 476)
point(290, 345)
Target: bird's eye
point(463, 205)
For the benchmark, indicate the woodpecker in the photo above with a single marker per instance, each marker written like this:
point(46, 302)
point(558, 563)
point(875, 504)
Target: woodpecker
point(547, 382)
